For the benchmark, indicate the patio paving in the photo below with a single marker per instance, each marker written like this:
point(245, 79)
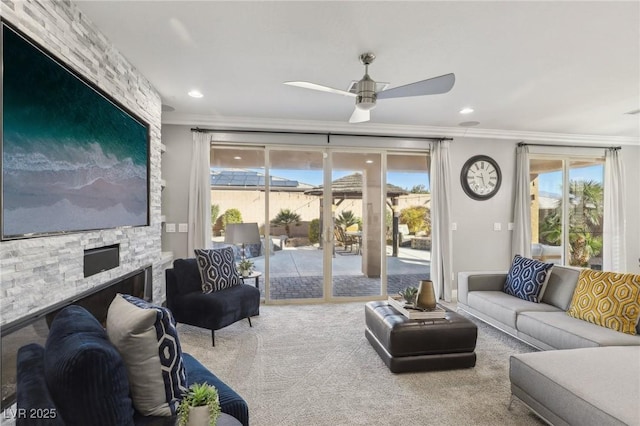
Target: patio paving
point(297, 273)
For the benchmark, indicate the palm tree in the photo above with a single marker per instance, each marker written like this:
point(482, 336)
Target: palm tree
point(286, 217)
point(585, 222)
point(346, 219)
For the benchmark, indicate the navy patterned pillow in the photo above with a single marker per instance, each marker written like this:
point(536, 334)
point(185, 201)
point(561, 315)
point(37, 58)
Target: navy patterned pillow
point(527, 278)
point(217, 269)
point(147, 338)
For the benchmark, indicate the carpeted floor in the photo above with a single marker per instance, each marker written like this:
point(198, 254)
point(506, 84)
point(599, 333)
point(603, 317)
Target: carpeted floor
point(312, 365)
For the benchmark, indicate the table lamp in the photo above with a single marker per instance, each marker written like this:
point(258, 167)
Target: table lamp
point(242, 233)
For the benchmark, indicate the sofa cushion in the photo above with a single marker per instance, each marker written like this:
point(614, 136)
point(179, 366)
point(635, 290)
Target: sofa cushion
point(230, 402)
point(187, 275)
point(85, 374)
point(607, 299)
point(502, 307)
point(32, 394)
point(561, 331)
point(559, 290)
point(217, 269)
point(147, 338)
point(588, 386)
point(527, 278)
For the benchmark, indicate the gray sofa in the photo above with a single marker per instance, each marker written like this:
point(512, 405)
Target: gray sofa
point(595, 380)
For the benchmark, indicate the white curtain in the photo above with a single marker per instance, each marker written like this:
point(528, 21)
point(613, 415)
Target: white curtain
point(521, 237)
point(613, 238)
point(199, 235)
point(441, 251)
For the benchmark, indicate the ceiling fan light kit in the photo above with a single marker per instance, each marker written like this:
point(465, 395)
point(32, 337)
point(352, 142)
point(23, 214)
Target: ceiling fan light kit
point(367, 96)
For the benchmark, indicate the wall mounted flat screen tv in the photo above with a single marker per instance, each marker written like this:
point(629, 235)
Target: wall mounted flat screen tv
point(73, 159)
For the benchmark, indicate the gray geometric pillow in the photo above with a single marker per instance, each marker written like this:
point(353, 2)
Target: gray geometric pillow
point(217, 269)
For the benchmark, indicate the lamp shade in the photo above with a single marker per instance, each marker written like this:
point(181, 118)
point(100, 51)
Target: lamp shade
point(242, 233)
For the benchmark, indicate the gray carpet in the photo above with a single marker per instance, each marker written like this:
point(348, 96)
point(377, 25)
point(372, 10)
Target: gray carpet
point(312, 365)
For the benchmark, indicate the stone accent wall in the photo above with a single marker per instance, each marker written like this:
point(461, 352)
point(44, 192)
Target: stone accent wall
point(38, 272)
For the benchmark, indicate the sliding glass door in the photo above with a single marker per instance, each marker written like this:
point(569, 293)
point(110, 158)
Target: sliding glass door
point(567, 210)
point(325, 218)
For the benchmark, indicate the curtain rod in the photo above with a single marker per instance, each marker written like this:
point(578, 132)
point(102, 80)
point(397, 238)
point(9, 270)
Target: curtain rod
point(198, 129)
point(615, 148)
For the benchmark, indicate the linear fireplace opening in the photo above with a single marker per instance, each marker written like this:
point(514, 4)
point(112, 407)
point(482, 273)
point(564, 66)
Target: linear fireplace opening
point(34, 328)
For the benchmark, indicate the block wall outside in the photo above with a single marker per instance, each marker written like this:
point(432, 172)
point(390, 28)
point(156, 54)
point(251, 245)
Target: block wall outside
point(38, 272)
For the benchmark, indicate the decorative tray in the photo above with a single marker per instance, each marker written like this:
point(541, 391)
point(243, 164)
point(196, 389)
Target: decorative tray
point(416, 314)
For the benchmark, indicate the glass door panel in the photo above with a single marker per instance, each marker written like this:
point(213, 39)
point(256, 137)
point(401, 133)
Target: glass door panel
point(237, 196)
point(586, 209)
point(408, 221)
point(294, 217)
point(358, 216)
point(547, 230)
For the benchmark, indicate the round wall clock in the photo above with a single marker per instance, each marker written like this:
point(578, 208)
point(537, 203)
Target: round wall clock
point(480, 177)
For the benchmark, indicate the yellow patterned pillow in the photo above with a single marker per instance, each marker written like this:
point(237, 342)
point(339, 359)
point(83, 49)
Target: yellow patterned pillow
point(607, 299)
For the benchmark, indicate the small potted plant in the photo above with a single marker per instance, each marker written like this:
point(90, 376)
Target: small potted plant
point(200, 406)
point(245, 267)
point(409, 295)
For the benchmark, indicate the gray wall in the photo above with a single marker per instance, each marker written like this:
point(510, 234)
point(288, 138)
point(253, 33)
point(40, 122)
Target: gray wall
point(175, 196)
point(476, 246)
point(39, 272)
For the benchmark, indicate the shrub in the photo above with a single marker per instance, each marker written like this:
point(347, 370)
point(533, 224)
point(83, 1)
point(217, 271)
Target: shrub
point(417, 218)
point(231, 216)
point(314, 231)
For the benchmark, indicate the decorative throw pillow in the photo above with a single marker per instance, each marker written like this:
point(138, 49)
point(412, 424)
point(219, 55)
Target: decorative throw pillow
point(527, 278)
point(607, 299)
point(85, 374)
point(147, 339)
point(217, 269)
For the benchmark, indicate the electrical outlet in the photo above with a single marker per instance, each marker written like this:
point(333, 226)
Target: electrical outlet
point(183, 227)
point(454, 226)
point(497, 226)
point(510, 226)
point(169, 227)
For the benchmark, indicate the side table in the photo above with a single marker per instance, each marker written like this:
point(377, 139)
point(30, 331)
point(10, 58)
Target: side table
point(255, 274)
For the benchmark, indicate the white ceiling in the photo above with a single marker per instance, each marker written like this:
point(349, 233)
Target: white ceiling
point(561, 67)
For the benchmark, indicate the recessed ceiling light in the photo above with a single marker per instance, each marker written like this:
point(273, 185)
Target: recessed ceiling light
point(369, 161)
point(237, 157)
point(466, 110)
point(195, 94)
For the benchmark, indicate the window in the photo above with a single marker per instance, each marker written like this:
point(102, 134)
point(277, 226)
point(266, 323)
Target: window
point(567, 209)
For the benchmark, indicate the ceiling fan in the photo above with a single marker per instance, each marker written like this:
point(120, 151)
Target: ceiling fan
point(365, 89)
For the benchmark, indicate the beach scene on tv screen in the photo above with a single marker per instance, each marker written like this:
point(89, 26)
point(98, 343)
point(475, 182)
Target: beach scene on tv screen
point(71, 159)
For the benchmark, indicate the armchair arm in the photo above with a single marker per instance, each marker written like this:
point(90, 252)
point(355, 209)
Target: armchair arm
point(479, 281)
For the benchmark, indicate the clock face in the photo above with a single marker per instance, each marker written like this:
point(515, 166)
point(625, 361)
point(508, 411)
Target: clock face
point(480, 177)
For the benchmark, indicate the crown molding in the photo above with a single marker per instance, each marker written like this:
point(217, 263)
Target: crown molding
point(275, 124)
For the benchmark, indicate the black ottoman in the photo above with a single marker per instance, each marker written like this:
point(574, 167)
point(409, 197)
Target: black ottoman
point(420, 345)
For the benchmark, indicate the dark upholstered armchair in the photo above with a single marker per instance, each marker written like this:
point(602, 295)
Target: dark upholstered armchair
point(213, 311)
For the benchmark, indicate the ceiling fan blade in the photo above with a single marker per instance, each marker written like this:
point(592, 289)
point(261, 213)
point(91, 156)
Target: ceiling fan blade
point(431, 86)
point(360, 116)
point(313, 86)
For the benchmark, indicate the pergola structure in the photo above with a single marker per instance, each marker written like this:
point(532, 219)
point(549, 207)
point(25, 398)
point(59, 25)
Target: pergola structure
point(350, 187)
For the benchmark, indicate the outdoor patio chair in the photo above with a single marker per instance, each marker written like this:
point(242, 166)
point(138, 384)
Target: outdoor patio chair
point(347, 241)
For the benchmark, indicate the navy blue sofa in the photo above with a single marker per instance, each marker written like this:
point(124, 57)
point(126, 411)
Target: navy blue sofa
point(79, 378)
